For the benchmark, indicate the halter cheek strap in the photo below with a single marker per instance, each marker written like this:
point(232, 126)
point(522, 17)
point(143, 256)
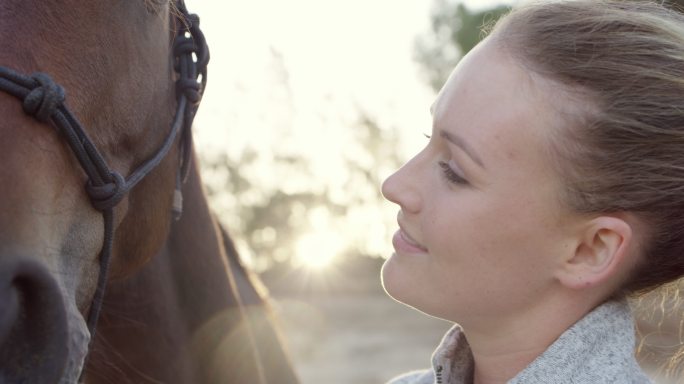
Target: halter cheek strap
point(43, 99)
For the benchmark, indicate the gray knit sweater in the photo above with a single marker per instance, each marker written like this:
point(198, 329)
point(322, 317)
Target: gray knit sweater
point(598, 349)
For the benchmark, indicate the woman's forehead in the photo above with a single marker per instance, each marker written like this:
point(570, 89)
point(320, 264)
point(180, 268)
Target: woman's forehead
point(488, 96)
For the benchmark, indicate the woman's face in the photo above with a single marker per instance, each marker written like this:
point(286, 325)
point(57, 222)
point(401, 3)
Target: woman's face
point(481, 227)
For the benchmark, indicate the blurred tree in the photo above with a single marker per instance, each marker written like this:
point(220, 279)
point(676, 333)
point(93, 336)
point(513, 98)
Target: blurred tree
point(454, 31)
point(270, 220)
point(267, 221)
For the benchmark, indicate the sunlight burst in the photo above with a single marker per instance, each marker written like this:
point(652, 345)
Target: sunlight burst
point(318, 250)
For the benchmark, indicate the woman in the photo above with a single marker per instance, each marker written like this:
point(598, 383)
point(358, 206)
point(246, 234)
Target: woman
point(551, 187)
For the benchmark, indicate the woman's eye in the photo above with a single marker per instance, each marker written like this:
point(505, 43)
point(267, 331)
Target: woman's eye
point(451, 175)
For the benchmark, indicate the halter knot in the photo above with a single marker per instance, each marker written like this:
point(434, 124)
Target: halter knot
point(191, 58)
point(44, 99)
point(184, 45)
point(183, 49)
point(108, 195)
point(190, 88)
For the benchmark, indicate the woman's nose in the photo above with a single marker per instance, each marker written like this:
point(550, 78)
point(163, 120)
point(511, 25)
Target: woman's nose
point(401, 188)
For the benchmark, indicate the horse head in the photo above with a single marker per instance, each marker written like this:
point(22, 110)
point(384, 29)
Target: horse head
point(106, 116)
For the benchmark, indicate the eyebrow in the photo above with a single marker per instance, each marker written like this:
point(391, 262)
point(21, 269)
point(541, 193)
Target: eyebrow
point(459, 142)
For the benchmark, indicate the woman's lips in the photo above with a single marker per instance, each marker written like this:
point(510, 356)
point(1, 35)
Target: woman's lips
point(404, 243)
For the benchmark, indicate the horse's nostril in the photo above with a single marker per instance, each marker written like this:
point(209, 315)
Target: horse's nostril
point(33, 324)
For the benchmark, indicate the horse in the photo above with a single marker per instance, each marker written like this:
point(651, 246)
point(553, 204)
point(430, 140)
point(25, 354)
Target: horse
point(221, 336)
point(174, 303)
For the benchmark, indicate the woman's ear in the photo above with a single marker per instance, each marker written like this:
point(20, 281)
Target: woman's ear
point(601, 254)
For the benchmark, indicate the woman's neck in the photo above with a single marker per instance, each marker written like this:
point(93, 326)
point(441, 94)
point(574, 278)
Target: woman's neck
point(504, 347)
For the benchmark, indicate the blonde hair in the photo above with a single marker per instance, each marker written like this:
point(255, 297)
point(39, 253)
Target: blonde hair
point(625, 152)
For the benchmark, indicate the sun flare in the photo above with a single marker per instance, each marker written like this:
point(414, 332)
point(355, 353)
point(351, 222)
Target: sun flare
point(318, 250)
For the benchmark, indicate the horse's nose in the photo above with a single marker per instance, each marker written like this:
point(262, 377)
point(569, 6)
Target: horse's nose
point(33, 324)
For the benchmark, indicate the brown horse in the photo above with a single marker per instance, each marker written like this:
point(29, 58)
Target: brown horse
point(172, 318)
point(218, 338)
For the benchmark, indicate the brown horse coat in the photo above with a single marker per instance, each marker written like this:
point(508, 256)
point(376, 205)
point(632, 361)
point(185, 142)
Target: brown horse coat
point(160, 322)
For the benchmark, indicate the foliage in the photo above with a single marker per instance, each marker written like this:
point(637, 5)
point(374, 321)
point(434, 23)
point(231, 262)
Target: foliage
point(269, 221)
point(455, 30)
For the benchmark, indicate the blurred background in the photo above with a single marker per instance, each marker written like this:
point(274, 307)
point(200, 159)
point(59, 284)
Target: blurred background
point(309, 106)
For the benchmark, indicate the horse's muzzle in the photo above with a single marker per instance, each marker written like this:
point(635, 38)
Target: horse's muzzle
point(33, 323)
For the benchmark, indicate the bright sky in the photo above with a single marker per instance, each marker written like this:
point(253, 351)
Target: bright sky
point(336, 57)
point(294, 74)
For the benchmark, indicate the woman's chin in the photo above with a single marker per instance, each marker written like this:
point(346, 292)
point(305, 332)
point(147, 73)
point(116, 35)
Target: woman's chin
point(402, 284)
point(386, 278)
point(395, 285)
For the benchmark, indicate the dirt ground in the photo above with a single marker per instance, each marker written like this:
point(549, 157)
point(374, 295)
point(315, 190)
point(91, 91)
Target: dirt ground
point(359, 339)
point(356, 339)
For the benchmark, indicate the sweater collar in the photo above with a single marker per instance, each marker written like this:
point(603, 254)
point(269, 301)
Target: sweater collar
point(601, 342)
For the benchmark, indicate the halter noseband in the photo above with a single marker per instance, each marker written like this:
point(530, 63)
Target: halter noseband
point(43, 99)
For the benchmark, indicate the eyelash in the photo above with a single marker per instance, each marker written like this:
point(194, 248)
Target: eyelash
point(448, 172)
point(451, 175)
